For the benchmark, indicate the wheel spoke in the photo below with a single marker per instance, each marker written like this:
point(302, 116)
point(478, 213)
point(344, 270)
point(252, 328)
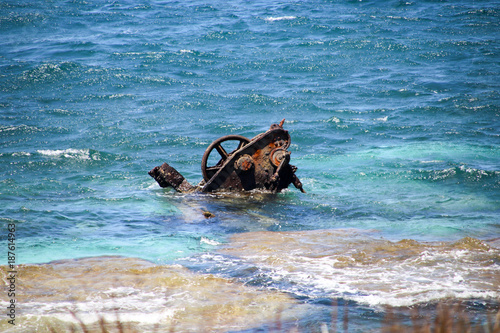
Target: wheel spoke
point(242, 143)
point(222, 151)
point(213, 169)
point(210, 171)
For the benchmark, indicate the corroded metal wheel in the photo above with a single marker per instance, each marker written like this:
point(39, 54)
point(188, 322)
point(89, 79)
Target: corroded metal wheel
point(209, 171)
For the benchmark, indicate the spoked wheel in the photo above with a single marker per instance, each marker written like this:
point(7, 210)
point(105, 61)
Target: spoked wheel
point(209, 171)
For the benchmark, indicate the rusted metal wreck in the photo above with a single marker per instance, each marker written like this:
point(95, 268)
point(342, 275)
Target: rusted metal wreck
point(262, 163)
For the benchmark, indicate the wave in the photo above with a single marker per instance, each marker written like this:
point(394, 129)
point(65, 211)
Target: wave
point(354, 265)
point(18, 129)
point(280, 18)
point(50, 72)
point(460, 173)
point(73, 154)
point(79, 154)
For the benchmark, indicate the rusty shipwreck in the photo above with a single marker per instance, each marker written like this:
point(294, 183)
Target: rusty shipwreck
point(261, 163)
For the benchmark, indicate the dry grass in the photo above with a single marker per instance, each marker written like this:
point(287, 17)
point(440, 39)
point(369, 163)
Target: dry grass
point(448, 319)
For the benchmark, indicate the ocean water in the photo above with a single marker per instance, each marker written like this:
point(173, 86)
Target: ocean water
point(393, 108)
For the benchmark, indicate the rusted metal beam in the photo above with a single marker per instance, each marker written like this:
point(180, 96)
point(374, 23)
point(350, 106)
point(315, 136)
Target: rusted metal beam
point(167, 176)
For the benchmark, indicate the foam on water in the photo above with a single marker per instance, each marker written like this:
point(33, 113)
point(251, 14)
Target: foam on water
point(279, 18)
point(80, 154)
point(359, 266)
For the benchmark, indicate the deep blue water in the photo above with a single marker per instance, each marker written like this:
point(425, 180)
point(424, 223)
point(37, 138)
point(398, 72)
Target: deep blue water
point(393, 108)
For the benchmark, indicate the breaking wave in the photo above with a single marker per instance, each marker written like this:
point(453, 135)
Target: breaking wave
point(356, 265)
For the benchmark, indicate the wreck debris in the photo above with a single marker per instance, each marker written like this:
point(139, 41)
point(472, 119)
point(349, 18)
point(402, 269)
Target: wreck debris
point(207, 214)
point(262, 163)
point(167, 176)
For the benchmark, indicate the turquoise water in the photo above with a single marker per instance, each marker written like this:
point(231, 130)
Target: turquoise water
point(393, 109)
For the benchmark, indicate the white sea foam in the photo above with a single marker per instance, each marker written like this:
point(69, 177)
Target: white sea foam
point(125, 303)
point(279, 18)
point(205, 240)
point(396, 285)
point(24, 128)
point(431, 161)
point(79, 154)
point(332, 120)
point(371, 271)
point(21, 153)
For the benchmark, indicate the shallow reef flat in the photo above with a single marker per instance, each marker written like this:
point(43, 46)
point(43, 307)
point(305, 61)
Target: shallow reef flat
point(141, 295)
